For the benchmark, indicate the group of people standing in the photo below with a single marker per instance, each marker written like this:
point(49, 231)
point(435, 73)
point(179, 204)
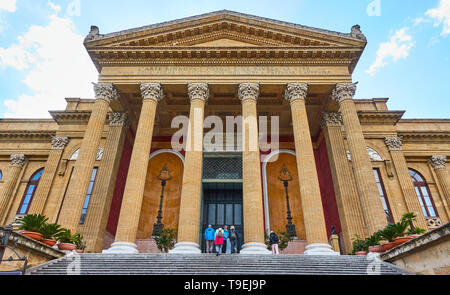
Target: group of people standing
point(220, 238)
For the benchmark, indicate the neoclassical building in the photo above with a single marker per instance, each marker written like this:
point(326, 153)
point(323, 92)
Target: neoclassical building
point(155, 149)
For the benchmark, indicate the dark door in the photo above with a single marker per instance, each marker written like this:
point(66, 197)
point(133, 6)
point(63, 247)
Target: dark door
point(222, 205)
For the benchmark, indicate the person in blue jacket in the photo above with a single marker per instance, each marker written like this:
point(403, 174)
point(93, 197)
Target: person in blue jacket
point(210, 234)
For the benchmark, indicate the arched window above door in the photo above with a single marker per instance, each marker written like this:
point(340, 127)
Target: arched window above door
point(423, 193)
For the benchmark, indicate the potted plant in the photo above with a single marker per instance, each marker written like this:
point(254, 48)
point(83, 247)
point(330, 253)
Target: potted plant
point(413, 231)
point(388, 234)
point(417, 232)
point(49, 233)
point(373, 243)
point(400, 232)
point(31, 224)
point(66, 240)
point(166, 239)
point(359, 247)
point(79, 242)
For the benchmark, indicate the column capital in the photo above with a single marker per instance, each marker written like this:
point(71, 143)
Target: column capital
point(152, 91)
point(59, 143)
point(118, 119)
point(105, 91)
point(437, 161)
point(393, 143)
point(343, 91)
point(248, 91)
point(18, 160)
point(331, 119)
point(198, 91)
point(296, 91)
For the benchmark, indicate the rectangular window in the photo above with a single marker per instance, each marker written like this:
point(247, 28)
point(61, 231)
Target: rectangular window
point(88, 195)
point(383, 196)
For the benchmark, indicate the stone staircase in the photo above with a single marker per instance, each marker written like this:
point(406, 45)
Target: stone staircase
point(209, 264)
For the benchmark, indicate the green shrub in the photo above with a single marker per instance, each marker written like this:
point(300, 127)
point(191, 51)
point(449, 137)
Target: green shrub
point(166, 239)
point(65, 236)
point(32, 222)
point(50, 230)
point(359, 245)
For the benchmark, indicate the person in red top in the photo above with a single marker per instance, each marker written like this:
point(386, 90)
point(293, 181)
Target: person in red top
point(218, 241)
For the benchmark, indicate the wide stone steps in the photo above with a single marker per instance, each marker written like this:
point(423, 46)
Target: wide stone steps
point(209, 264)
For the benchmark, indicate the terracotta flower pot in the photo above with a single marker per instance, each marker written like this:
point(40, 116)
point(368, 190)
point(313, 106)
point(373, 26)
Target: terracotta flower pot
point(388, 246)
point(361, 253)
point(414, 236)
point(49, 242)
point(376, 249)
point(80, 251)
point(31, 234)
point(401, 240)
point(67, 246)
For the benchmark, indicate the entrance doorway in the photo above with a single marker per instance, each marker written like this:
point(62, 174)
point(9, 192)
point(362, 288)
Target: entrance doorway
point(222, 205)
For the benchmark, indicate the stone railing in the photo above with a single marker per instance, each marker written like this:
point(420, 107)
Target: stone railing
point(433, 222)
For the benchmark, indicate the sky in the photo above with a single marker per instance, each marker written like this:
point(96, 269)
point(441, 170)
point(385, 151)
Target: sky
point(42, 58)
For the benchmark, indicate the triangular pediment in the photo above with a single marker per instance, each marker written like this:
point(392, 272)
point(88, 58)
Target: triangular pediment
point(224, 42)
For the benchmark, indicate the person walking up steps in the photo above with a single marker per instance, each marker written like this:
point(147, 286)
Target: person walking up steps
point(219, 241)
point(233, 239)
point(274, 242)
point(209, 238)
point(226, 236)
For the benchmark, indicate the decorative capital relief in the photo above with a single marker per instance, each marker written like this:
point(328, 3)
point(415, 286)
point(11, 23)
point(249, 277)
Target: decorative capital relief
point(152, 91)
point(296, 91)
point(59, 143)
point(18, 160)
point(248, 91)
point(343, 91)
point(438, 161)
point(393, 143)
point(198, 91)
point(331, 119)
point(118, 119)
point(105, 91)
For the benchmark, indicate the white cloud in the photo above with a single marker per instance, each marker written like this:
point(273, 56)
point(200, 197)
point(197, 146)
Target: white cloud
point(397, 48)
point(441, 15)
point(56, 65)
point(8, 5)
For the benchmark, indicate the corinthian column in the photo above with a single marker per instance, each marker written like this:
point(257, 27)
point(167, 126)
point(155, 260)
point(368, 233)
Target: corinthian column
point(316, 233)
point(369, 196)
point(17, 163)
point(411, 201)
point(130, 211)
point(45, 184)
point(76, 192)
point(438, 164)
point(191, 190)
point(251, 173)
point(350, 213)
point(100, 204)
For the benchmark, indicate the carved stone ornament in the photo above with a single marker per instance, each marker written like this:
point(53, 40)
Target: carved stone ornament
point(99, 155)
point(152, 91)
point(331, 119)
point(59, 143)
point(373, 155)
point(437, 162)
point(105, 91)
point(343, 91)
point(94, 33)
point(296, 91)
point(18, 160)
point(248, 91)
point(393, 143)
point(356, 33)
point(198, 91)
point(118, 119)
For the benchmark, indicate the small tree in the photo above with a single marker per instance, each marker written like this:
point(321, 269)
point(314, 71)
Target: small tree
point(166, 239)
point(285, 238)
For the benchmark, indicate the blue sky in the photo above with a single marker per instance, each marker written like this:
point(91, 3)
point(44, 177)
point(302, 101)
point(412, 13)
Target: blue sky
point(42, 59)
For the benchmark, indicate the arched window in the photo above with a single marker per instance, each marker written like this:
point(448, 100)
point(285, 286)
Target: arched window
point(383, 195)
point(423, 193)
point(29, 192)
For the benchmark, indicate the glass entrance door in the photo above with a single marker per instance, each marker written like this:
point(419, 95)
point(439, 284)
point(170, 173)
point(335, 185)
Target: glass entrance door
point(222, 205)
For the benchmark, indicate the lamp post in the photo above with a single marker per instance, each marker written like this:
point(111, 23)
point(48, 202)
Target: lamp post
point(164, 176)
point(285, 176)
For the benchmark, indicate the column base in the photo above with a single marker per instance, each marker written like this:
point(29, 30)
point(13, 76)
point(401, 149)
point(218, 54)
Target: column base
point(254, 248)
point(121, 248)
point(320, 249)
point(186, 248)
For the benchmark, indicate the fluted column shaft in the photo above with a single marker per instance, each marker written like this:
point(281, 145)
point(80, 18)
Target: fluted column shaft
point(11, 178)
point(374, 214)
point(412, 203)
point(438, 163)
point(191, 191)
point(349, 208)
point(130, 210)
point(76, 193)
point(99, 207)
point(46, 181)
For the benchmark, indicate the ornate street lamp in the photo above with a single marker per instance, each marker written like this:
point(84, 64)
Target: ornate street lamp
point(285, 176)
point(164, 176)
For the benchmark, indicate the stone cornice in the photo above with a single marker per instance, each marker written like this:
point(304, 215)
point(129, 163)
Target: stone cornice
point(71, 117)
point(23, 135)
point(424, 136)
point(380, 117)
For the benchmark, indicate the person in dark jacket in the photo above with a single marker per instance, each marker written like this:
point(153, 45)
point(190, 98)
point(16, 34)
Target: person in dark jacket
point(274, 242)
point(234, 239)
point(209, 238)
point(226, 237)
